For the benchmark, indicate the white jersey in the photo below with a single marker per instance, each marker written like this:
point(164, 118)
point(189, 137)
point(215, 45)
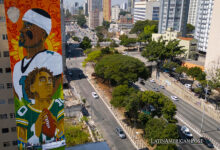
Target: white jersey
point(48, 59)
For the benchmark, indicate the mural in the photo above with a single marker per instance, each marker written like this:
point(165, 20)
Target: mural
point(34, 36)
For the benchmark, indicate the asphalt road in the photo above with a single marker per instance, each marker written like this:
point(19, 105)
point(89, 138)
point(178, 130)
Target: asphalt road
point(100, 114)
point(192, 115)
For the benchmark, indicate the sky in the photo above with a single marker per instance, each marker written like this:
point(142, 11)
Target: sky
point(71, 2)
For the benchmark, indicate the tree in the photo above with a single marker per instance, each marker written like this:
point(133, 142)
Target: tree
point(81, 20)
point(166, 147)
point(196, 73)
point(181, 70)
point(170, 65)
point(123, 13)
point(105, 51)
point(113, 44)
point(169, 110)
point(67, 13)
point(86, 43)
point(140, 25)
point(75, 38)
point(127, 42)
point(93, 56)
point(106, 24)
point(143, 118)
point(189, 28)
point(120, 95)
point(119, 69)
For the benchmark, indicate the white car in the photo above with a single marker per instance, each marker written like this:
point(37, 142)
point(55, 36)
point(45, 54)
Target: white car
point(188, 86)
point(175, 98)
point(94, 95)
point(152, 80)
point(186, 132)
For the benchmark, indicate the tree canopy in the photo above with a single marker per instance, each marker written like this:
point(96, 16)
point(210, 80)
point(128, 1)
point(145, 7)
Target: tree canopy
point(81, 20)
point(106, 24)
point(86, 43)
point(189, 28)
point(196, 73)
point(127, 42)
point(93, 56)
point(119, 69)
point(140, 25)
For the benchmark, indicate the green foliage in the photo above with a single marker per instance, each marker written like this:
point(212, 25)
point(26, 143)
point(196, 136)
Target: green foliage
point(113, 44)
point(215, 79)
point(143, 118)
point(196, 73)
point(75, 135)
point(189, 28)
point(93, 56)
point(181, 70)
point(75, 38)
point(159, 129)
point(166, 147)
point(81, 20)
point(84, 118)
point(140, 25)
point(105, 50)
point(132, 106)
point(101, 32)
point(169, 110)
point(120, 95)
point(123, 13)
point(120, 69)
point(106, 24)
point(67, 13)
point(170, 65)
point(199, 91)
point(125, 41)
point(86, 43)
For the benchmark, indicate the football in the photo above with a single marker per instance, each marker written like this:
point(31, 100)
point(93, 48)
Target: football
point(49, 127)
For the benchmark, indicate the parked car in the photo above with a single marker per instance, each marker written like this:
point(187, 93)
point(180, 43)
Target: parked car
point(156, 90)
point(162, 87)
point(207, 142)
point(186, 132)
point(94, 95)
point(152, 80)
point(142, 82)
point(175, 98)
point(120, 133)
point(151, 108)
point(188, 86)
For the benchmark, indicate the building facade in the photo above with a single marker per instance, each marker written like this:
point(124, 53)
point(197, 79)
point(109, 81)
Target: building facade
point(203, 24)
point(131, 6)
point(146, 10)
point(107, 10)
point(193, 9)
point(173, 14)
point(95, 13)
point(85, 8)
point(115, 12)
point(124, 6)
point(212, 61)
point(8, 134)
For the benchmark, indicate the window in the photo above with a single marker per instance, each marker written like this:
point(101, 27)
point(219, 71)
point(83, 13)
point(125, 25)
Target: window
point(1, 70)
point(10, 101)
point(3, 116)
point(6, 144)
point(6, 53)
point(13, 129)
point(1, 86)
point(15, 142)
point(4, 37)
point(5, 130)
point(12, 115)
point(2, 101)
point(9, 85)
point(7, 70)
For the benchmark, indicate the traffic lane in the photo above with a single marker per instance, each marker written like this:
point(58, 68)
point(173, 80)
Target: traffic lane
point(193, 115)
point(103, 118)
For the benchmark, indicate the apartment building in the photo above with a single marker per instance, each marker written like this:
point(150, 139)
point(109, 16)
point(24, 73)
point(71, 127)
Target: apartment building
point(8, 134)
point(173, 14)
point(95, 13)
point(203, 21)
point(193, 9)
point(107, 10)
point(115, 12)
point(146, 10)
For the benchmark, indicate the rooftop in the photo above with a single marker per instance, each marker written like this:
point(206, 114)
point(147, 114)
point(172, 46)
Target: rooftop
point(185, 38)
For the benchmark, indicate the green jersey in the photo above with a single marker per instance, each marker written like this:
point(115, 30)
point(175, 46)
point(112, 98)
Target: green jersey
point(26, 117)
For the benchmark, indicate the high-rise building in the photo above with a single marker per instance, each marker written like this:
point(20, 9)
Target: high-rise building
point(173, 14)
point(124, 6)
point(95, 13)
point(213, 54)
point(203, 20)
point(193, 9)
point(107, 10)
point(85, 8)
point(115, 12)
point(131, 6)
point(8, 134)
point(146, 10)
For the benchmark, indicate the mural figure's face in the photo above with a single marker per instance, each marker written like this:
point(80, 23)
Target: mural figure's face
point(31, 36)
point(43, 85)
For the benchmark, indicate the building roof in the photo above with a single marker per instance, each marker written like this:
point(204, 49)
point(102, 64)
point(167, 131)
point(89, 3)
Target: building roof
point(90, 146)
point(185, 38)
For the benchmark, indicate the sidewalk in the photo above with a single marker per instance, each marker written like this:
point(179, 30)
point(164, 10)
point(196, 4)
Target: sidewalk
point(134, 134)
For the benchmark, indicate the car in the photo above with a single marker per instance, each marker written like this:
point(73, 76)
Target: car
point(188, 86)
point(156, 90)
point(151, 108)
point(207, 142)
point(152, 80)
point(175, 98)
point(94, 95)
point(162, 87)
point(120, 133)
point(142, 82)
point(186, 132)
